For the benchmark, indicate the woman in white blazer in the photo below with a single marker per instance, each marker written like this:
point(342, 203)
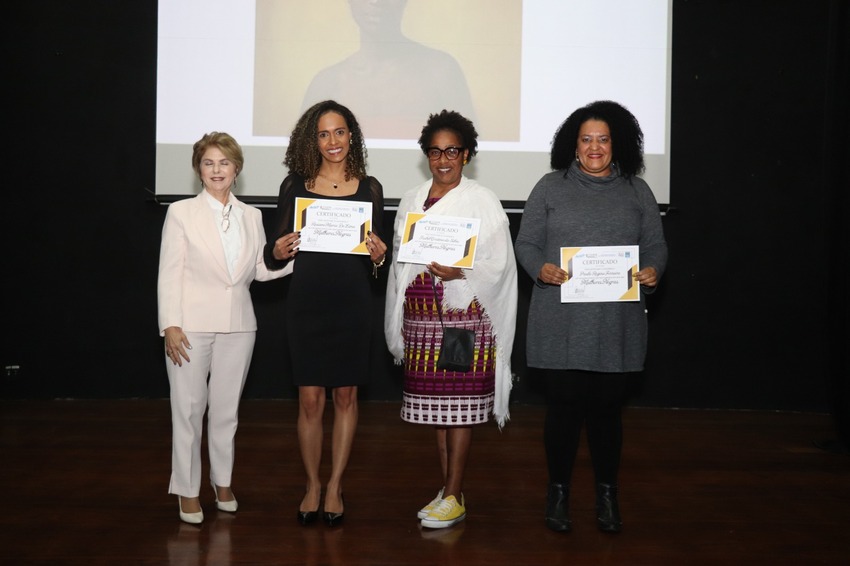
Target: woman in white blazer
point(212, 249)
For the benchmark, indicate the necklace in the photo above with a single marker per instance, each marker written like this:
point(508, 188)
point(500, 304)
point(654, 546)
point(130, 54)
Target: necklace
point(335, 185)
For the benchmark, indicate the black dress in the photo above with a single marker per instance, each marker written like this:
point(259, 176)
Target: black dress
point(329, 305)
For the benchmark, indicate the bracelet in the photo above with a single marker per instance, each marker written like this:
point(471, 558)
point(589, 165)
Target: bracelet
point(375, 266)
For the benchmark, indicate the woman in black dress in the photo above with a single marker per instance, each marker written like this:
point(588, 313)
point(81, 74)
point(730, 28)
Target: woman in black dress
point(329, 310)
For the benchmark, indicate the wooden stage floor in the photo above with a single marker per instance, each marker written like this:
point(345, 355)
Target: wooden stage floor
point(85, 482)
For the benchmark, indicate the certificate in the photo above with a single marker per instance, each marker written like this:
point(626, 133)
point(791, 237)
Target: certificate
point(333, 226)
point(600, 274)
point(447, 240)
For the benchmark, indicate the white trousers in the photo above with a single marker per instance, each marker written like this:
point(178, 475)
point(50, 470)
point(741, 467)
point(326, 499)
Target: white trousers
point(224, 358)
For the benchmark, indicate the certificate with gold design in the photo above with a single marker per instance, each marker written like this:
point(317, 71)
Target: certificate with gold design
point(333, 226)
point(600, 274)
point(447, 240)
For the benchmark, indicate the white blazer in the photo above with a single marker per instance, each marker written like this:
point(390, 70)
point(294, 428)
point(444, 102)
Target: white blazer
point(195, 290)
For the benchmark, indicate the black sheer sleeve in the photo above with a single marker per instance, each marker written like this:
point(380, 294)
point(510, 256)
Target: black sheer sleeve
point(376, 190)
point(283, 222)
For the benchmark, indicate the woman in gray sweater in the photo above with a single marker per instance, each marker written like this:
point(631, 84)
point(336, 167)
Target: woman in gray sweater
point(589, 352)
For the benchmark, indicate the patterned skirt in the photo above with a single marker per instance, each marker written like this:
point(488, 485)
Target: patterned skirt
point(439, 397)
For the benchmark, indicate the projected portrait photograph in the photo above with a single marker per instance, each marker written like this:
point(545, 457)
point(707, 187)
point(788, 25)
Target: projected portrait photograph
point(391, 61)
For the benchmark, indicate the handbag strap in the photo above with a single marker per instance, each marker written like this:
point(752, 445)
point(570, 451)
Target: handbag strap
point(437, 301)
point(440, 306)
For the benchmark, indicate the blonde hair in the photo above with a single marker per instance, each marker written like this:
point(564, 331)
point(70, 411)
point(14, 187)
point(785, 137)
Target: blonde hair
point(222, 141)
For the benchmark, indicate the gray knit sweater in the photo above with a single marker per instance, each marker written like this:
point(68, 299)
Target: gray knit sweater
point(572, 209)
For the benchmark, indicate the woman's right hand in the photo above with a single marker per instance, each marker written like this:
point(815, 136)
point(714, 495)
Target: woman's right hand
point(551, 274)
point(286, 246)
point(176, 344)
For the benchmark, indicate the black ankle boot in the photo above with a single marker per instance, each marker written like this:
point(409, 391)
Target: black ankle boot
point(607, 508)
point(557, 507)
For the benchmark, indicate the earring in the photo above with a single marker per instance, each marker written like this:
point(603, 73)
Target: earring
point(465, 161)
point(577, 156)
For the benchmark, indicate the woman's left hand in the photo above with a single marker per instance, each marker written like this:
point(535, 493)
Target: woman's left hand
point(377, 248)
point(647, 276)
point(445, 272)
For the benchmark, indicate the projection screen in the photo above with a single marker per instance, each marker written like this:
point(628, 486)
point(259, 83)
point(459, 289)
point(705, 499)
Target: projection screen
point(517, 68)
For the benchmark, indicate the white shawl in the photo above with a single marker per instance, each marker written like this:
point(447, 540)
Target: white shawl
point(493, 280)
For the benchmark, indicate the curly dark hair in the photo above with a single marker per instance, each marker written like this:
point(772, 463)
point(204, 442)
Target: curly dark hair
point(303, 156)
point(626, 137)
point(454, 122)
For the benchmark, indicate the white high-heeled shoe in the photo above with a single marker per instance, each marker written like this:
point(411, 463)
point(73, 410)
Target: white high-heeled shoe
point(191, 518)
point(229, 506)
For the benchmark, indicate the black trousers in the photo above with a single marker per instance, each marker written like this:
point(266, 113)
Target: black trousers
point(590, 399)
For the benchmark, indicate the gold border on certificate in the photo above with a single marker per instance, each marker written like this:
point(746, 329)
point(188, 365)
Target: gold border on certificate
point(333, 226)
point(600, 274)
point(447, 240)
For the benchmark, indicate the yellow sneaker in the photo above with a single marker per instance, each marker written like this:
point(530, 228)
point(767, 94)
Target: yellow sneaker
point(447, 513)
point(430, 507)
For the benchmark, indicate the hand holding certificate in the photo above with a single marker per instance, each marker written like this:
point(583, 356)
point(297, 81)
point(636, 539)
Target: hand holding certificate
point(600, 274)
point(447, 240)
point(333, 226)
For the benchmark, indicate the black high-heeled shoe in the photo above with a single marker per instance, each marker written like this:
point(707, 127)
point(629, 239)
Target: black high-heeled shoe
point(608, 509)
point(334, 519)
point(307, 517)
point(557, 507)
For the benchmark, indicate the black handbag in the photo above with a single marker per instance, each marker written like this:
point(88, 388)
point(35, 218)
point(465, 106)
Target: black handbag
point(458, 347)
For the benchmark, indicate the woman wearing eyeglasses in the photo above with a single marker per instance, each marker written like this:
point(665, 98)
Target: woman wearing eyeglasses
point(212, 249)
point(482, 298)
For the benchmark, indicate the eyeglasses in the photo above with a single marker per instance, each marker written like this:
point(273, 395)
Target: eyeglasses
point(434, 153)
point(225, 217)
